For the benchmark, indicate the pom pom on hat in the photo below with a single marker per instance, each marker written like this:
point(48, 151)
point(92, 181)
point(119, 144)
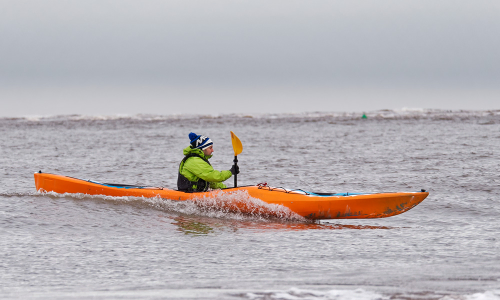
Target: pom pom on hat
point(193, 136)
point(200, 141)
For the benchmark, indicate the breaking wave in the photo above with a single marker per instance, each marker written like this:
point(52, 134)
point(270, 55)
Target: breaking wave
point(362, 294)
point(399, 114)
point(296, 293)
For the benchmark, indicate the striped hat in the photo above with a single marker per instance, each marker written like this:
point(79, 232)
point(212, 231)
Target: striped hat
point(200, 141)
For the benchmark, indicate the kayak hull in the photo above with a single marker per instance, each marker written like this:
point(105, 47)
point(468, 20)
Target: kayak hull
point(308, 205)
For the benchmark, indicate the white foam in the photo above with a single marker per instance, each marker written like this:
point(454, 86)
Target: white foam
point(302, 294)
point(412, 109)
point(218, 205)
point(233, 202)
point(357, 294)
point(488, 295)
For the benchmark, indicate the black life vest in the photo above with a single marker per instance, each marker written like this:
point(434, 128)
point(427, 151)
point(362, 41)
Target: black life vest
point(184, 185)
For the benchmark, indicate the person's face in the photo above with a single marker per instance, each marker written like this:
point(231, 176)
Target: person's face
point(209, 150)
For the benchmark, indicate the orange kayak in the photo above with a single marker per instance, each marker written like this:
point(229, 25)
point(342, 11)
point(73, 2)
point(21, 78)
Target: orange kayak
point(248, 199)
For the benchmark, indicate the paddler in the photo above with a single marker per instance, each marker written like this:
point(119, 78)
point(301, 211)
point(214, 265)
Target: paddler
point(195, 172)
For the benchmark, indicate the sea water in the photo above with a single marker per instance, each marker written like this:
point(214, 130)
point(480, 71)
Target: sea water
point(65, 246)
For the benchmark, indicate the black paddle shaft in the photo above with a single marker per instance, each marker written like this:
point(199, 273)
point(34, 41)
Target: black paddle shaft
point(235, 175)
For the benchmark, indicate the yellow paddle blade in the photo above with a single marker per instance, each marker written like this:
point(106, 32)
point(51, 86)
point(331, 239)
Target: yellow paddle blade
point(237, 146)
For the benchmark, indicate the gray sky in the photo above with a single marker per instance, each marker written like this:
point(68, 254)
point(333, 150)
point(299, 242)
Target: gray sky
point(126, 57)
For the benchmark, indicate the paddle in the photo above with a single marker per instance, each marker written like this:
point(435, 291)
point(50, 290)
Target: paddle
point(238, 148)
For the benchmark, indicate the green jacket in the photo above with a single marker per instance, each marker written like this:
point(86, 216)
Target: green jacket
point(195, 167)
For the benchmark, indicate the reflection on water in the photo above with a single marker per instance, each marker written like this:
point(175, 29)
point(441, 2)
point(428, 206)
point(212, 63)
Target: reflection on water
point(285, 226)
point(192, 225)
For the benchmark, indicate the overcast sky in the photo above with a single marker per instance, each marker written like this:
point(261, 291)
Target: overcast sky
point(166, 57)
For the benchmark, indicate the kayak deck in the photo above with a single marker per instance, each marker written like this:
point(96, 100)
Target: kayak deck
point(306, 204)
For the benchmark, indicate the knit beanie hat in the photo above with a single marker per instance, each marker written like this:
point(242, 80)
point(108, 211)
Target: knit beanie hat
point(200, 141)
